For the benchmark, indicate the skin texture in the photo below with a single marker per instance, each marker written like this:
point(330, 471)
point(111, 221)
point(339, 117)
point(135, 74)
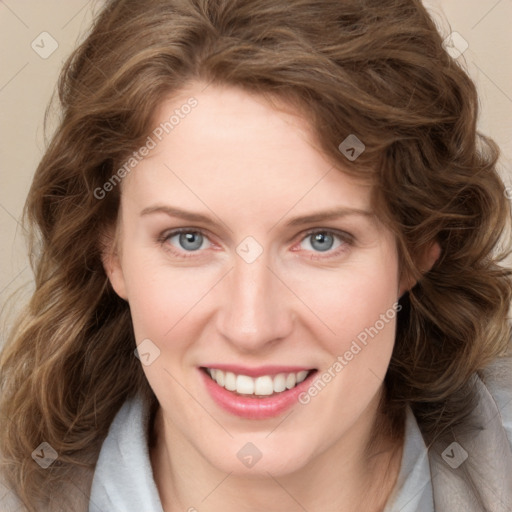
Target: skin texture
point(252, 168)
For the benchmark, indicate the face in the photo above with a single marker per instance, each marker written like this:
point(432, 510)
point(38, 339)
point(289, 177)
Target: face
point(244, 251)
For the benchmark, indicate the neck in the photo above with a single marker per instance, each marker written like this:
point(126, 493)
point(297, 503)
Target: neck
point(340, 478)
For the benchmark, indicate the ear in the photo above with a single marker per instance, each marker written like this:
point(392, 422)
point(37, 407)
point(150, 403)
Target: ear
point(426, 262)
point(111, 259)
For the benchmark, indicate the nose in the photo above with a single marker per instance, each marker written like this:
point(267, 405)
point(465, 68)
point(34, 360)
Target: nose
point(256, 309)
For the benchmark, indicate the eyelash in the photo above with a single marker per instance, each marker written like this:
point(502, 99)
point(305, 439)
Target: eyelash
point(346, 240)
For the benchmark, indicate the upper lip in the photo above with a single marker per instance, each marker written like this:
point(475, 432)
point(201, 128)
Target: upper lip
point(257, 371)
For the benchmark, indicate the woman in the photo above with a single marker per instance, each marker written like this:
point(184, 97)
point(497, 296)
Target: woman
point(267, 272)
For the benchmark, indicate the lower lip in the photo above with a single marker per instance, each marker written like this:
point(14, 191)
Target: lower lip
point(254, 408)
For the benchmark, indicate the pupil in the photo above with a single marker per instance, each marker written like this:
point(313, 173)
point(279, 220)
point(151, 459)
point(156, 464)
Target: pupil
point(190, 241)
point(325, 241)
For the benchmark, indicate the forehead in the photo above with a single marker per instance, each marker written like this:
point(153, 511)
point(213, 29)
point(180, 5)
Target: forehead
point(234, 149)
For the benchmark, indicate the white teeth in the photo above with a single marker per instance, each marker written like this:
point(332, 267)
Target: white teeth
point(244, 384)
point(301, 376)
point(261, 386)
point(230, 381)
point(279, 382)
point(291, 380)
point(220, 377)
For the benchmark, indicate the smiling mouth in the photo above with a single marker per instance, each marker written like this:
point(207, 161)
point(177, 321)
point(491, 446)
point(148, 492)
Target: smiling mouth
point(259, 387)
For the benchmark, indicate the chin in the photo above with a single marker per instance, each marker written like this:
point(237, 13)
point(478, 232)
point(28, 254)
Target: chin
point(256, 456)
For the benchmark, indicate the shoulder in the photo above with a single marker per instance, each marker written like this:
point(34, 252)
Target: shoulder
point(123, 478)
point(125, 439)
point(471, 466)
point(497, 379)
point(122, 450)
point(9, 502)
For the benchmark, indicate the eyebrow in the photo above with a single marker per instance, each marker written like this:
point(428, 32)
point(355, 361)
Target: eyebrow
point(330, 214)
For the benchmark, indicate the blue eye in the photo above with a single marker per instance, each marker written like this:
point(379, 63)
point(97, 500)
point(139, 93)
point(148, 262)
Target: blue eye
point(187, 240)
point(323, 241)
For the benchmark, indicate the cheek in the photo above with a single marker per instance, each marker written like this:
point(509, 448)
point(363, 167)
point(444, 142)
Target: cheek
point(360, 310)
point(356, 303)
point(163, 300)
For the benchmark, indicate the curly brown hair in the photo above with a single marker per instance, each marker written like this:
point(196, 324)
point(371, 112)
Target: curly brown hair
point(374, 68)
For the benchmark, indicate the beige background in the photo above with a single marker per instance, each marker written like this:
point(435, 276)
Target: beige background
point(27, 81)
